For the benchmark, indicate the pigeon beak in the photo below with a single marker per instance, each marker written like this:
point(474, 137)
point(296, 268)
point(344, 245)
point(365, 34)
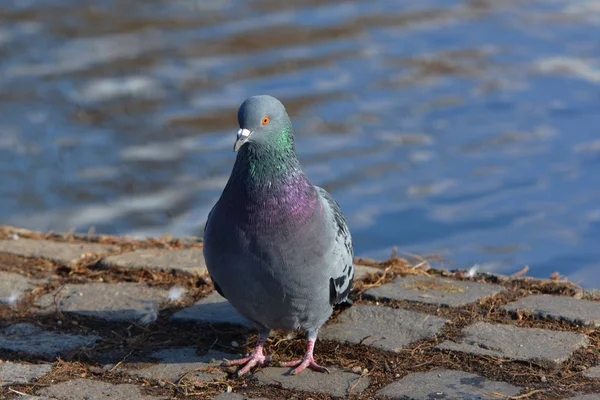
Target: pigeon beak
point(242, 137)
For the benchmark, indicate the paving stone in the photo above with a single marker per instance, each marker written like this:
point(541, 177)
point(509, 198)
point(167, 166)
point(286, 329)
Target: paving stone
point(12, 373)
point(541, 346)
point(433, 290)
point(212, 309)
point(174, 363)
point(121, 301)
point(592, 373)
point(190, 261)
point(63, 252)
point(13, 286)
point(361, 271)
point(578, 311)
point(382, 327)
point(32, 339)
point(447, 384)
point(336, 383)
point(87, 389)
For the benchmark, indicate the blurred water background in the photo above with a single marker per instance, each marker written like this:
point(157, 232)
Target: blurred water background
point(469, 129)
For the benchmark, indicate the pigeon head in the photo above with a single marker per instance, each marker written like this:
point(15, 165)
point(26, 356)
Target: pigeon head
point(263, 121)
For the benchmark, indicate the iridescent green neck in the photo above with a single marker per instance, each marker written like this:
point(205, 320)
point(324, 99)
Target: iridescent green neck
point(268, 160)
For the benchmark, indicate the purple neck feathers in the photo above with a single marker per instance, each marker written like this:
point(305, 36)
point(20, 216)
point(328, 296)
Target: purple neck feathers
point(270, 196)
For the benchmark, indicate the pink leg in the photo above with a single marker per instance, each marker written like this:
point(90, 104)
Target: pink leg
point(306, 361)
point(257, 358)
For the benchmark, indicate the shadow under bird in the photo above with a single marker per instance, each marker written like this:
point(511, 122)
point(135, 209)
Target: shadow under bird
point(276, 246)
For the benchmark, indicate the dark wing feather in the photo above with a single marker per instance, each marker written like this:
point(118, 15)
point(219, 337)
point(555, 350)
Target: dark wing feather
point(340, 282)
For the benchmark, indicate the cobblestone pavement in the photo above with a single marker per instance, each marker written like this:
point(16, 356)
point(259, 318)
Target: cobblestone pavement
point(100, 317)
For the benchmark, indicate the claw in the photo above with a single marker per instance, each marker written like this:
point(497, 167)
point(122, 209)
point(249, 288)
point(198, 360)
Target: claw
point(307, 361)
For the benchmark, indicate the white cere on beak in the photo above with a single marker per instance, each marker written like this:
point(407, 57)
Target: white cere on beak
point(243, 133)
point(242, 137)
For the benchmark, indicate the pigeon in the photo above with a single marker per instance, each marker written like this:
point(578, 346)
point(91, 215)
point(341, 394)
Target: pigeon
point(276, 247)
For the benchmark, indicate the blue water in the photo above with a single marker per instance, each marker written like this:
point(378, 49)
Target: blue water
point(465, 129)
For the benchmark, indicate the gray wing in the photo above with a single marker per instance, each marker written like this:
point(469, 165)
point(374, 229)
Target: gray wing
point(215, 284)
point(342, 270)
point(208, 218)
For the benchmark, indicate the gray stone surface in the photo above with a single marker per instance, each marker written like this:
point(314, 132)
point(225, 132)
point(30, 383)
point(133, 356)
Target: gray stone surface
point(212, 309)
point(361, 271)
point(12, 373)
point(87, 389)
point(64, 252)
point(32, 339)
point(336, 383)
point(540, 346)
point(434, 290)
point(113, 302)
point(382, 327)
point(585, 397)
point(235, 396)
point(592, 373)
point(582, 312)
point(447, 384)
point(190, 261)
point(13, 286)
point(174, 363)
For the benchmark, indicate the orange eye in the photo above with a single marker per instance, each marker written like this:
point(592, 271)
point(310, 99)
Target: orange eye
point(265, 120)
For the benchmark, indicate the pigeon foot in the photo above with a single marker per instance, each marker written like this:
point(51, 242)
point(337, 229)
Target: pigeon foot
point(257, 358)
point(306, 362)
